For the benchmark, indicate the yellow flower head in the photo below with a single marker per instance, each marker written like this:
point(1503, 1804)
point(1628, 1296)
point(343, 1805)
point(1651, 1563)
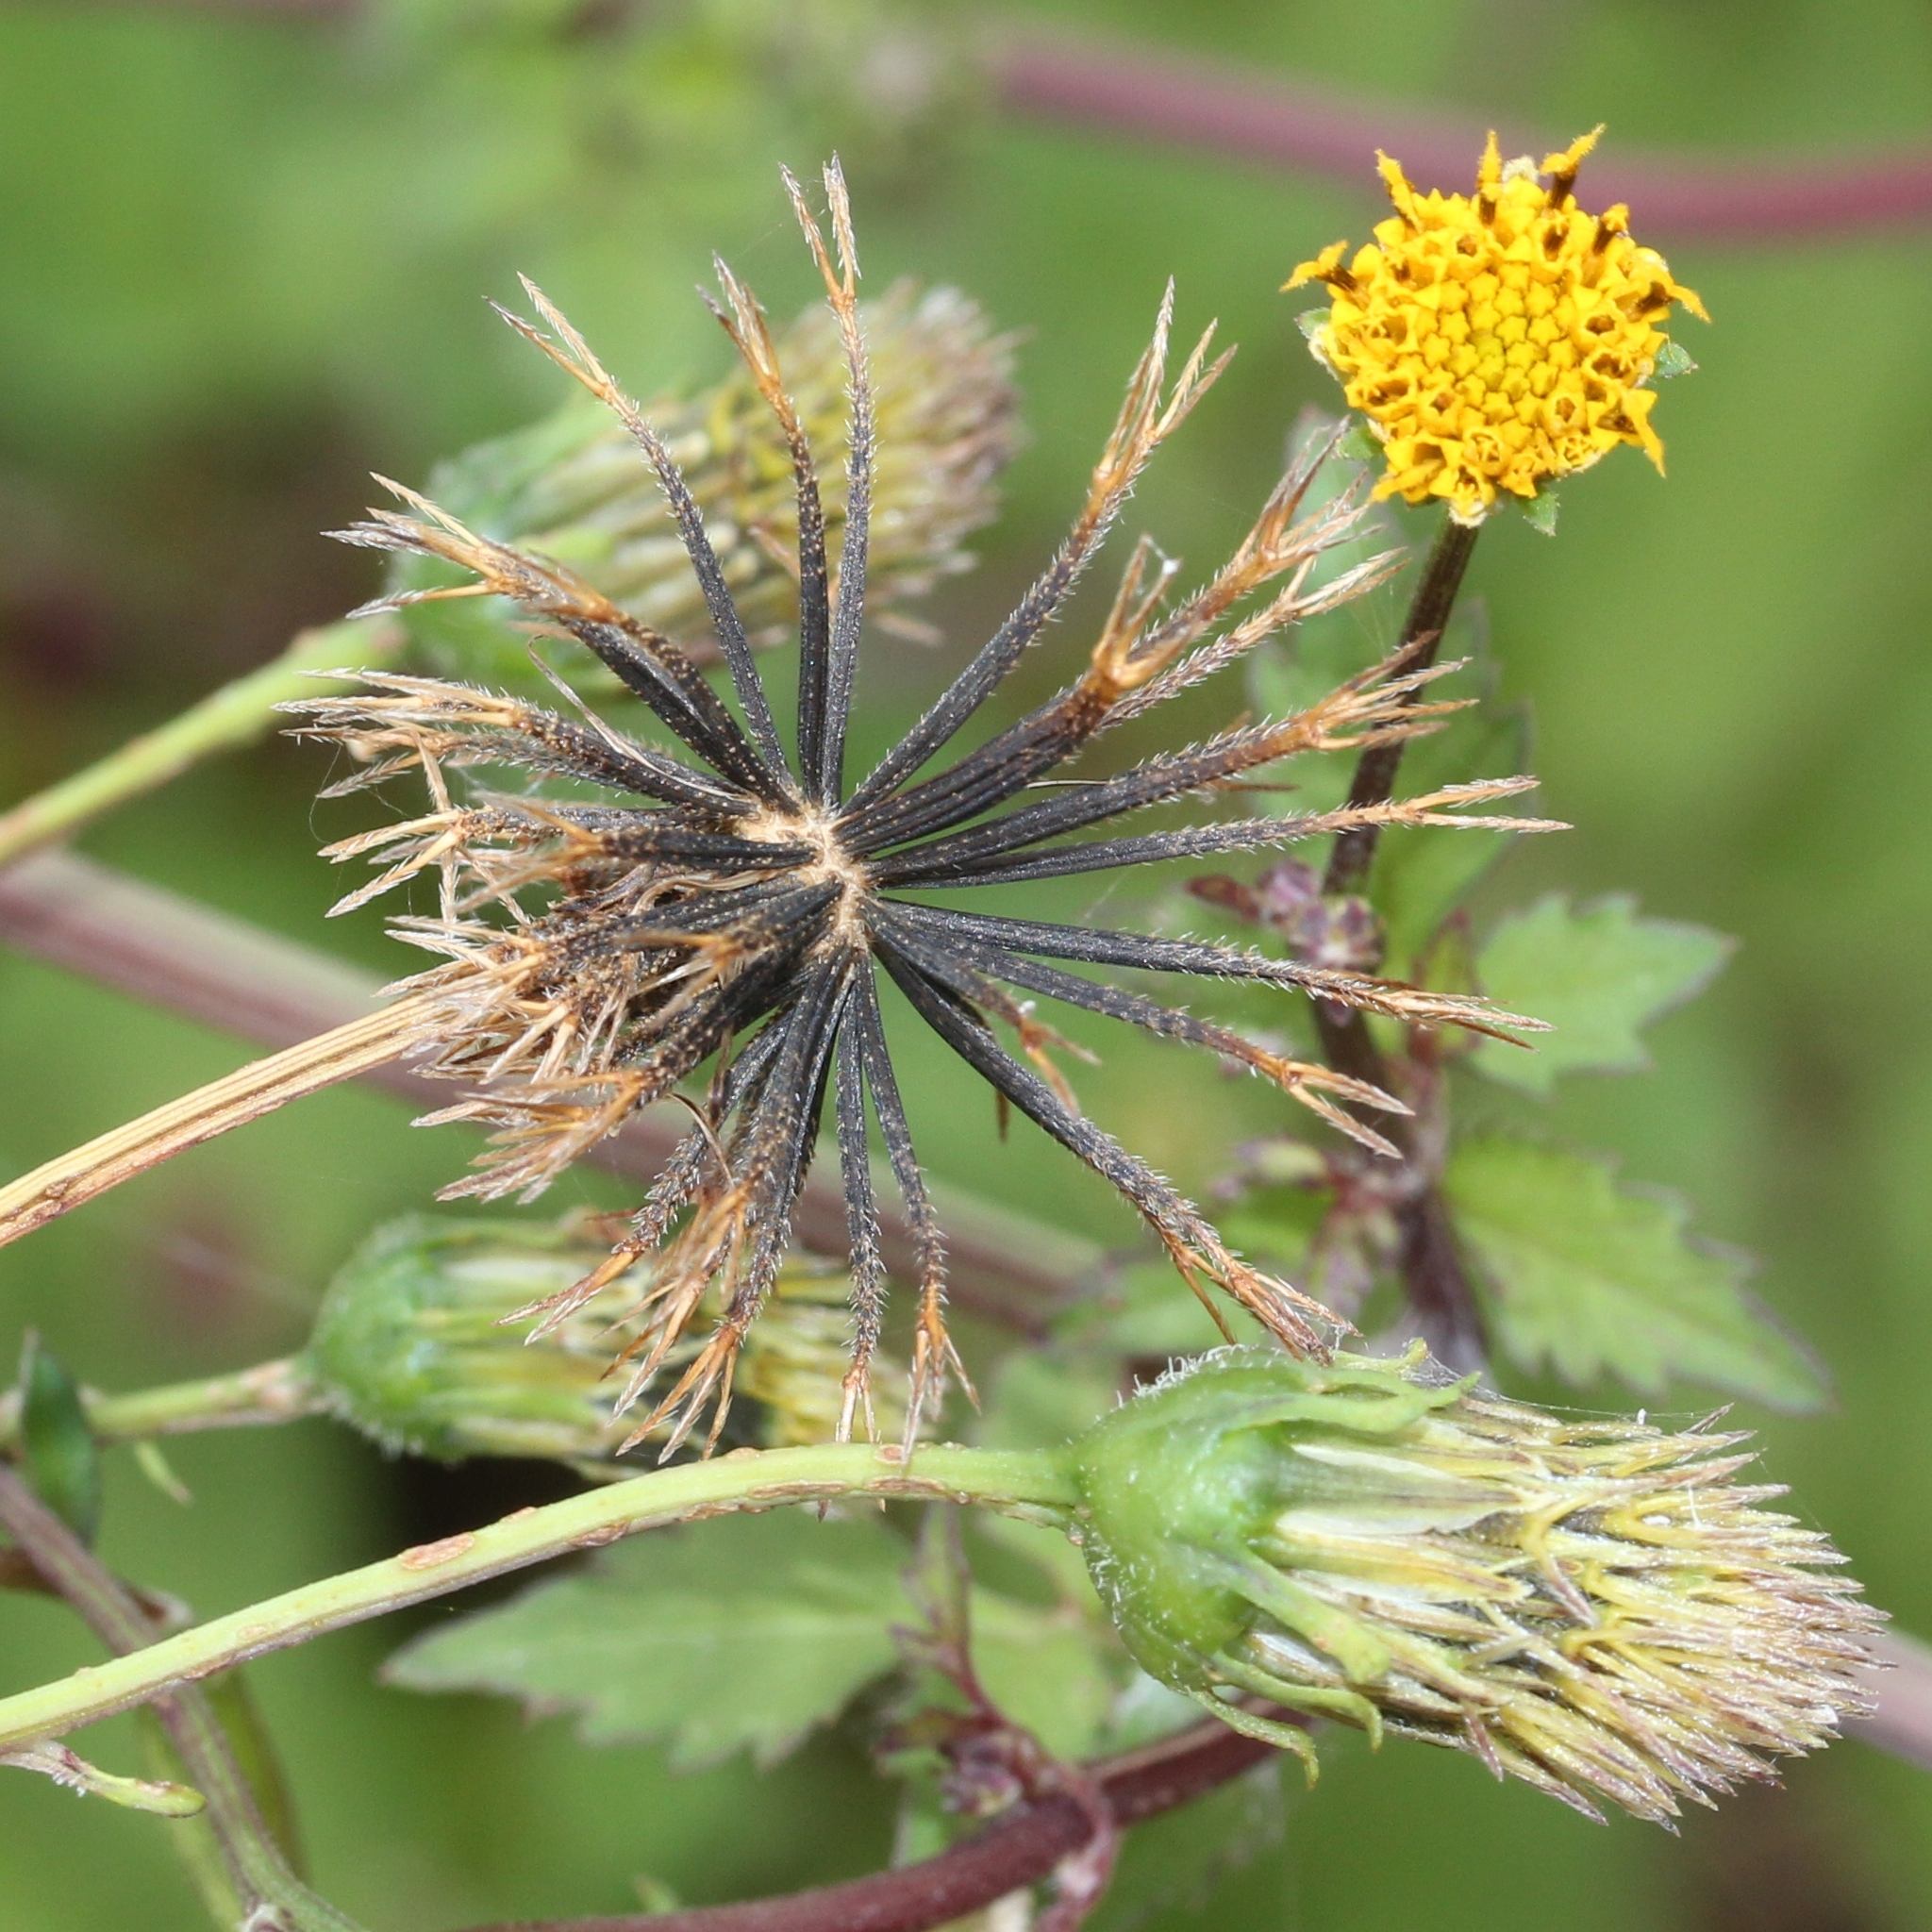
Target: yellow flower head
point(1496, 341)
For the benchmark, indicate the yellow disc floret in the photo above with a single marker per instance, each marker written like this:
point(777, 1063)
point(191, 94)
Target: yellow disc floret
point(1498, 340)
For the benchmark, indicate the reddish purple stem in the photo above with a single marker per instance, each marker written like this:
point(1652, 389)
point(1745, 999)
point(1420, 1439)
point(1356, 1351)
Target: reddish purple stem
point(1297, 124)
point(1022, 1848)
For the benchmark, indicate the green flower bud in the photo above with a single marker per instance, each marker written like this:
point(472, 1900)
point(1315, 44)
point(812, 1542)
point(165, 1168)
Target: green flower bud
point(794, 1359)
point(1594, 1606)
point(412, 1344)
point(574, 488)
point(409, 1343)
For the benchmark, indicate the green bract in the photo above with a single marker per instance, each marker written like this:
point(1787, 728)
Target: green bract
point(419, 1342)
point(409, 1343)
point(1593, 1607)
point(1181, 1484)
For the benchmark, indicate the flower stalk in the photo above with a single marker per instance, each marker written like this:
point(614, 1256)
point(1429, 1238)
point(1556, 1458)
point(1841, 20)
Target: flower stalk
point(237, 714)
point(275, 1391)
point(1434, 1279)
point(1029, 1483)
point(1353, 851)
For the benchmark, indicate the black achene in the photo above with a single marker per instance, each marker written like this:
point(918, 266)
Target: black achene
point(737, 907)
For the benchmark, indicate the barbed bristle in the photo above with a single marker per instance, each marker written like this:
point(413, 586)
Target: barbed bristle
point(730, 907)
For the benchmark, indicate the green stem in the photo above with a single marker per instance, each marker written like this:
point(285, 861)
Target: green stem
point(1434, 1279)
point(256, 1866)
point(1028, 1482)
point(276, 1391)
point(237, 714)
point(1422, 637)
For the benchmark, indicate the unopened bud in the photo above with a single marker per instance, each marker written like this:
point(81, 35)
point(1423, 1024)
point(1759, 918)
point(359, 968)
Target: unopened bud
point(795, 1361)
point(409, 1343)
point(414, 1344)
point(574, 488)
point(1598, 1607)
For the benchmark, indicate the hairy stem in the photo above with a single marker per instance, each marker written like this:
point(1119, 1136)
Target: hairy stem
point(256, 1866)
point(1032, 1482)
point(237, 714)
point(1433, 1277)
point(276, 1391)
point(1422, 637)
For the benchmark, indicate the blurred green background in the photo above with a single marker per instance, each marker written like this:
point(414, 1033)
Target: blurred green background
point(242, 254)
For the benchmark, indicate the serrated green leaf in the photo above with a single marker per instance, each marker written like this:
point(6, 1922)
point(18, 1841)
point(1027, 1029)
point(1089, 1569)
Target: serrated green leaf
point(58, 1455)
point(746, 1632)
point(1595, 1278)
point(1598, 974)
point(1311, 321)
point(737, 1634)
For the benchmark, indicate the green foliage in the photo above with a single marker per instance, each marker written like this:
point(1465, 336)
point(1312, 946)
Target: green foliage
point(233, 220)
point(1539, 512)
point(58, 1455)
point(745, 1633)
point(1282, 1205)
point(1598, 974)
point(1288, 676)
point(1044, 1397)
point(1137, 1314)
point(1672, 360)
point(1418, 878)
point(740, 1634)
point(1593, 1278)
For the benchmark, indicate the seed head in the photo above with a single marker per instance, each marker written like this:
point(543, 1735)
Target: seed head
point(727, 904)
point(1496, 341)
point(1599, 1608)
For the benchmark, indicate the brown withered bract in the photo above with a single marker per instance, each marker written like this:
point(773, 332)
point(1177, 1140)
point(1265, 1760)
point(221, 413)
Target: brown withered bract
point(737, 905)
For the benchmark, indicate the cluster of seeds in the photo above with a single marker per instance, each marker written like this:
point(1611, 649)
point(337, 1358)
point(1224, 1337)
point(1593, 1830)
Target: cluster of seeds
point(732, 903)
